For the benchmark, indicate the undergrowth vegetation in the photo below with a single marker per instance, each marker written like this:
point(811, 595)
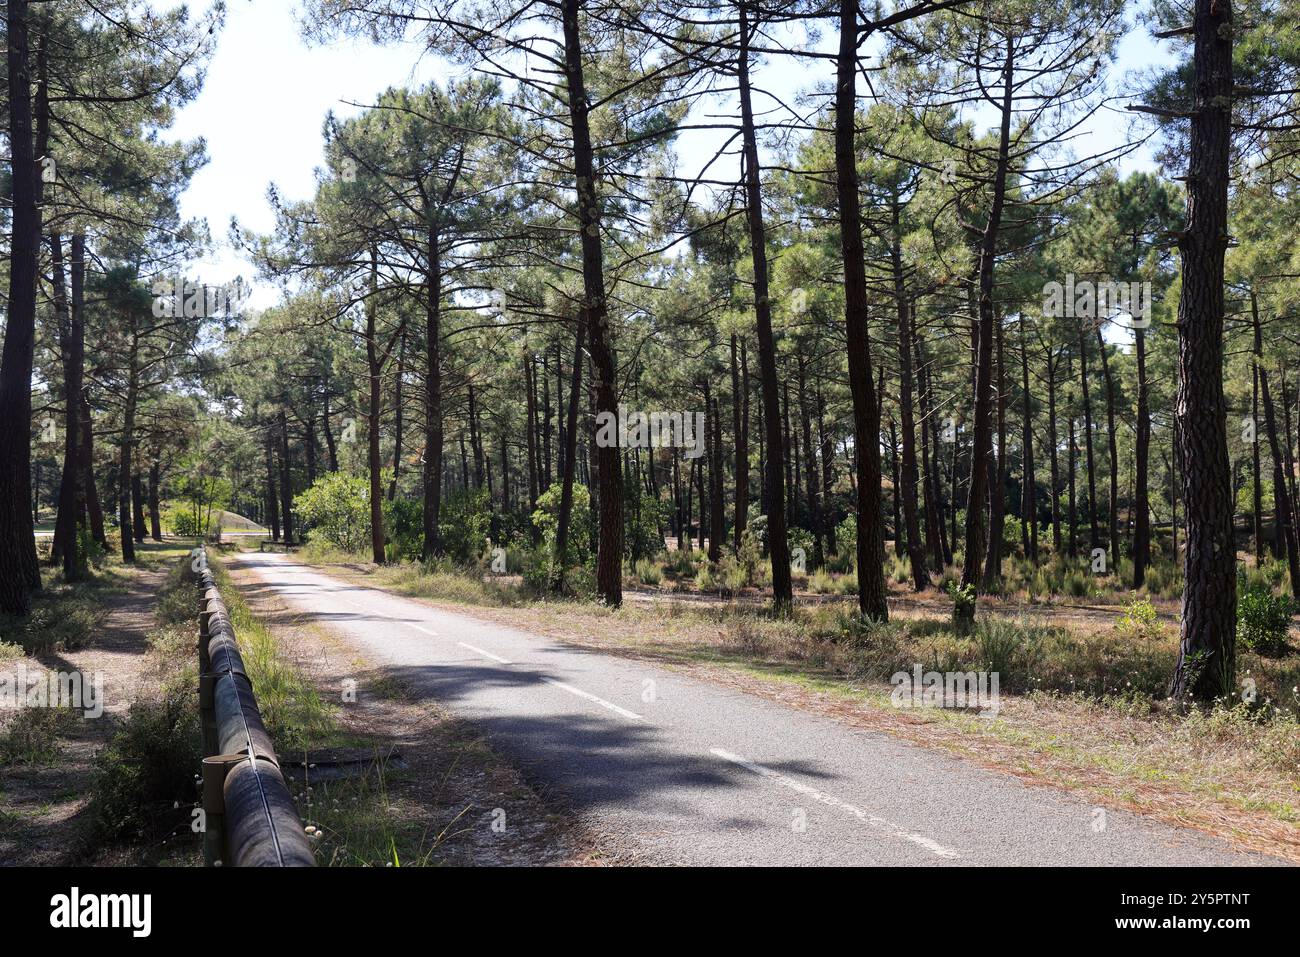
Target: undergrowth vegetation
point(1133, 658)
point(144, 785)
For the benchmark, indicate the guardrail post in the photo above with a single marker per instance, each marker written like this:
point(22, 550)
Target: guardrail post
point(207, 714)
point(215, 769)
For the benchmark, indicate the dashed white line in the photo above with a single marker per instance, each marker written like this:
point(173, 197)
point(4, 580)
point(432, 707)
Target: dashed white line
point(578, 692)
point(934, 847)
point(630, 715)
point(485, 654)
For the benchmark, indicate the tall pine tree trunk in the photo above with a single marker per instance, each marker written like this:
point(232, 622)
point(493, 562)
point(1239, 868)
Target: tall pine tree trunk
point(740, 428)
point(609, 553)
point(908, 476)
point(872, 593)
point(1141, 495)
point(1029, 491)
point(272, 498)
point(286, 481)
point(374, 415)
point(1207, 654)
point(1112, 512)
point(94, 508)
point(331, 450)
point(570, 461)
point(155, 506)
point(431, 545)
point(982, 447)
point(1055, 459)
point(125, 449)
point(137, 508)
point(398, 378)
point(72, 493)
point(1094, 534)
point(19, 571)
point(997, 473)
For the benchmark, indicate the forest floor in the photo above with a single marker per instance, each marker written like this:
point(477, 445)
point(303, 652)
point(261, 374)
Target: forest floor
point(1212, 771)
point(49, 764)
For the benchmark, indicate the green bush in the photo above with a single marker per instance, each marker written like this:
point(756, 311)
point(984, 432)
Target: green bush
point(582, 524)
point(801, 538)
point(750, 558)
point(732, 575)
point(1263, 620)
point(846, 536)
point(148, 767)
point(1012, 534)
point(649, 572)
point(62, 617)
point(184, 524)
point(403, 529)
point(537, 570)
point(822, 582)
point(1139, 621)
point(679, 564)
point(963, 602)
point(844, 559)
point(337, 508)
point(175, 605)
point(465, 522)
point(1076, 584)
point(32, 737)
point(644, 517)
point(1164, 580)
point(1038, 583)
point(1274, 572)
point(1006, 649)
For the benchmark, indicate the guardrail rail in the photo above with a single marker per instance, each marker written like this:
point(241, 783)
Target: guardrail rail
point(249, 818)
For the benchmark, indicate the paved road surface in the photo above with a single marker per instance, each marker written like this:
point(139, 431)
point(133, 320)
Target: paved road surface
point(679, 770)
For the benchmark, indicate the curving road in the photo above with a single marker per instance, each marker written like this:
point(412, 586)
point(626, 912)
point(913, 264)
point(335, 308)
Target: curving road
point(673, 770)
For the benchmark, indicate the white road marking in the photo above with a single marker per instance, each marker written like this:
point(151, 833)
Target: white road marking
point(630, 715)
point(485, 654)
point(934, 847)
point(578, 692)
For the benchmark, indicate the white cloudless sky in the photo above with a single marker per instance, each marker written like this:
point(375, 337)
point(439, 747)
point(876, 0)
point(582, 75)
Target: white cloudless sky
point(261, 112)
point(267, 93)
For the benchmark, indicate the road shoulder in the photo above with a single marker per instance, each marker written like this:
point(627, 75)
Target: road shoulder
point(453, 798)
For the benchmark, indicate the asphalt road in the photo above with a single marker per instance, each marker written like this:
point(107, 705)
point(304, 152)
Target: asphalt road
point(675, 770)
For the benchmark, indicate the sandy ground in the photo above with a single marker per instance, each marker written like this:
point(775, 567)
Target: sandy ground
point(42, 819)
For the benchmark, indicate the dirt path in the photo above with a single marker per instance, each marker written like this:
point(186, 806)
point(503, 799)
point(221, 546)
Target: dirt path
point(42, 807)
point(453, 786)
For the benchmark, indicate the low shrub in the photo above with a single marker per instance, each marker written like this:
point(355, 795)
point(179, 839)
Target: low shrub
point(147, 770)
point(963, 602)
point(32, 736)
point(1263, 620)
point(1139, 621)
point(649, 572)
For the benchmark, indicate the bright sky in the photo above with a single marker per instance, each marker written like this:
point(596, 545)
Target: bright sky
point(261, 112)
point(267, 93)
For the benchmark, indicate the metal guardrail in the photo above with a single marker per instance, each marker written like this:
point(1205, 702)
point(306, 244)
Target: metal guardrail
point(250, 819)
